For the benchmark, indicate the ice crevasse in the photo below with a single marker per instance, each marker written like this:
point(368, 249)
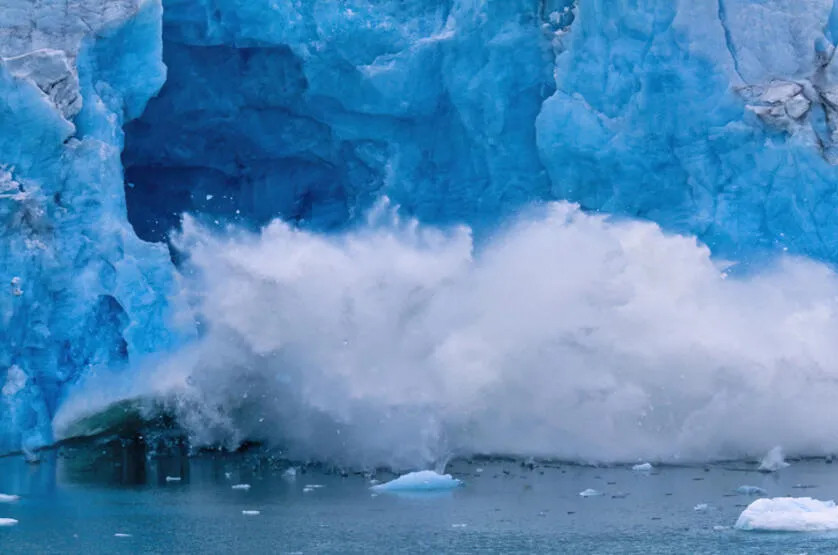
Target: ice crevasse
point(712, 118)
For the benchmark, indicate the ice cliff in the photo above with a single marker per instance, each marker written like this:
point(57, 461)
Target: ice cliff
point(80, 292)
point(713, 118)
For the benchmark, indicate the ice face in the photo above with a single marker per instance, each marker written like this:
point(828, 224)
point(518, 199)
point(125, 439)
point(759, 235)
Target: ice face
point(80, 293)
point(714, 119)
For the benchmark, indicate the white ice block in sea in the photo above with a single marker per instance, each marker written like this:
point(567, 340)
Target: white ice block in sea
point(6, 498)
point(425, 480)
point(789, 514)
point(244, 487)
point(750, 490)
point(251, 513)
point(122, 535)
point(590, 493)
point(701, 507)
point(173, 478)
point(773, 460)
point(7, 522)
point(645, 467)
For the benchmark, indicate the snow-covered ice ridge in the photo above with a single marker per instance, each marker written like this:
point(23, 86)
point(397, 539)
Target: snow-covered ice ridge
point(712, 119)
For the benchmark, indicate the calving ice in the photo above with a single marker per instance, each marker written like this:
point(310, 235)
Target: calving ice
point(609, 234)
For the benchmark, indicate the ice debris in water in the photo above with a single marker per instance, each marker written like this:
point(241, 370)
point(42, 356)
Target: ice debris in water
point(7, 522)
point(244, 487)
point(251, 513)
point(773, 461)
point(290, 473)
point(425, 480)
point(701, 507)
point(750, 490)
point(645, 467)
point(121, 535)
point(789, 514)
point(6, 498)
point(173, 478)
point(589, 493)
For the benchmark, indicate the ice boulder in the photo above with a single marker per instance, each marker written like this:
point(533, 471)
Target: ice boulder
point(425, 480)
point(789, 514)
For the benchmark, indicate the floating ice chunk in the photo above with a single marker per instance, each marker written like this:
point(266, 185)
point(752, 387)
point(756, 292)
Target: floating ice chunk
point(789, 514)
point(701, 507)
point(290, 473)
point(251, 513)
point(459, 525)
point(8, 522)
point(645, 467)
point(589, 493)
point(426, 480)
point(773, 461)
point(308, 489)
point(228, 475)
point(122, 535)
point(315, 486)
point(173, 478)
point(6, 498)
point(244, 487)
point(719, 528)
point(750, 490)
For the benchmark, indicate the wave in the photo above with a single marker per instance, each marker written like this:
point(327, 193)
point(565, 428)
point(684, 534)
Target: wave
point(565, 335)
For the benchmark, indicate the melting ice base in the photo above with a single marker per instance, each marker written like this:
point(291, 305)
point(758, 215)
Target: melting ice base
point(567, 335)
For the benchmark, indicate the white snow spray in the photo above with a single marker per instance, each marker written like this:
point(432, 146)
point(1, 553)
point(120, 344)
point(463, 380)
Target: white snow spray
point(566, 335)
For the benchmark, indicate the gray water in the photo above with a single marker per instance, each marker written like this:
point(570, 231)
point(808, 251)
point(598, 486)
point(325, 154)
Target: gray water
point(76, 499)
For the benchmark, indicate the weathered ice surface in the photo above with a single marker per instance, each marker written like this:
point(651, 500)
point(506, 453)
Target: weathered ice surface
point(79, 292)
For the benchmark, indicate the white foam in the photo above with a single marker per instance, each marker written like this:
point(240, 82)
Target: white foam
point(566, 335)
point(789, 514)
point(773, 460)
point(425, 480)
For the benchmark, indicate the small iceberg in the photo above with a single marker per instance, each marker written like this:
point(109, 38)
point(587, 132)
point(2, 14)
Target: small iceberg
point(645, 467)
point(750, 490)
point(425, 480)
point(6, 498)
point(701, 507)
point(173, 478)
point(122, 535)
point(251, 513)
point(8, 522)
point(789, 514)
point(589, 493)
point(773, 461)
point(290, 473)
point(244, 487)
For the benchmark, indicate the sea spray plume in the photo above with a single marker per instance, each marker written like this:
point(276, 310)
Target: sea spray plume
point(568, 335)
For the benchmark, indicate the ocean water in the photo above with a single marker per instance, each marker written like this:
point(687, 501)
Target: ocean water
point(118, 497)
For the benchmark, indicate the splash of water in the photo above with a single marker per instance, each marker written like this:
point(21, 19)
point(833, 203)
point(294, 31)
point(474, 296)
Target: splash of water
point(566, 335)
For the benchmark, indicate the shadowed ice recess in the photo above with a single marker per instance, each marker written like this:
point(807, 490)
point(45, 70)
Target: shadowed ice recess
point(566, 335)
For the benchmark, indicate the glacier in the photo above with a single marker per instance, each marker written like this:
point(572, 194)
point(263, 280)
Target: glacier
point(711, 121)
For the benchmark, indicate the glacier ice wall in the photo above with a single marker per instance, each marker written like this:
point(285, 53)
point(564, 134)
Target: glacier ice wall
point(716, 119)
point(80, 293)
